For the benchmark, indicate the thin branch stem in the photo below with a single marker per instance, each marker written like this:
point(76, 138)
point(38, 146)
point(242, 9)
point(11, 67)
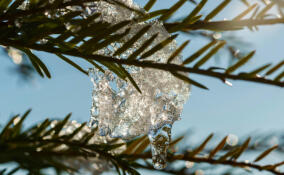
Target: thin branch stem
point(62, 142)
point(33, 11)
point(90, 150)
point(140, 156)
point(144, 64)
point(213, 162)
point(226, 25)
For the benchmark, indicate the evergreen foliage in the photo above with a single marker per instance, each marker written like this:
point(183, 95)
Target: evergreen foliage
point(30, 29)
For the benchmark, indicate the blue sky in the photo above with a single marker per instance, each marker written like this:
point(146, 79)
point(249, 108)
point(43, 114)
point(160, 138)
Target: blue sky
point(241, 109)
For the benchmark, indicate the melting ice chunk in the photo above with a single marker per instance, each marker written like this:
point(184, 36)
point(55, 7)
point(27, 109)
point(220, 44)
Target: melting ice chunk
point(118, 109)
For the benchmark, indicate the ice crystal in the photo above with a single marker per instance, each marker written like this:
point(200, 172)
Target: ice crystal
point(118, 109)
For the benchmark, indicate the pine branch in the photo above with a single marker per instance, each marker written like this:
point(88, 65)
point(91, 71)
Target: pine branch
point(147, 64)
point(60, 47)
point(227, 155)
point(215, 162)
point(262, 141)
point(44, 146)
point(51, 144)
point(224, 25)
point(12, 15)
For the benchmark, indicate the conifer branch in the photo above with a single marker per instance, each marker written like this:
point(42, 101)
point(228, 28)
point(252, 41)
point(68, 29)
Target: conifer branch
point(43, 146)
point(224, 25)
point(211, 161)
point(146, 64)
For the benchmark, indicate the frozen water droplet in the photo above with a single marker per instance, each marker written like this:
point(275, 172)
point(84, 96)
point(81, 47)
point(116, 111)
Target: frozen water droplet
point(16, 120)
point(189, 164)
point(228, 83)
point(232, 140)
point(217, 35)
point(43, 41)
point(15, 55)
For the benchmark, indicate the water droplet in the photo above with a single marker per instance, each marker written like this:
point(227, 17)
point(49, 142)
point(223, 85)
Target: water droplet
point(232, 140)
point(16, 120)
point(217, 35)
point(15, 55)
point(247, 167)
point(228, 83)
point(189, 164)
point(53, 123)
point(43, 41)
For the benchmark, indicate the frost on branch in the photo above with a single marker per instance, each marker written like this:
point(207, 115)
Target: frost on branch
point(118, 109)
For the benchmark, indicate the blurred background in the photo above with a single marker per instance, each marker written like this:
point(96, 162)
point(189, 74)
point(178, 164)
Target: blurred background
point(242, 110)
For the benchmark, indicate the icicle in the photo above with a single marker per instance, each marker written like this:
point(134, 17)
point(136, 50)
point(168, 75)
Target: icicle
point(160, 140)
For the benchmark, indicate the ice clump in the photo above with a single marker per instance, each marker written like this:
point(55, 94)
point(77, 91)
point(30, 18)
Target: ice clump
point(118, 109)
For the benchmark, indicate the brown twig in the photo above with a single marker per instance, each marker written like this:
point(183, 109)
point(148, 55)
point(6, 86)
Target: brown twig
point(144, 64)
point(33, 11)
point(214, 162)
point(226, 25)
